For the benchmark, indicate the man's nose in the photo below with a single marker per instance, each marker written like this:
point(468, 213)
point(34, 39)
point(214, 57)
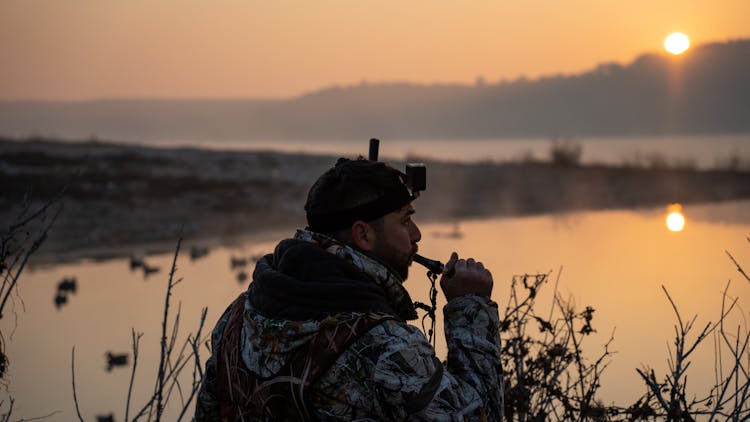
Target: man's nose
point(416, 235)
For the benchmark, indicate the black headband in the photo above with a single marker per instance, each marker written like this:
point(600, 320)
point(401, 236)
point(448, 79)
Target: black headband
point(337, 220)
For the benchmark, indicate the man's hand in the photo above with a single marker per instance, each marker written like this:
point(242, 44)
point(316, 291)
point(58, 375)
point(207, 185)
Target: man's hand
point(466, 277)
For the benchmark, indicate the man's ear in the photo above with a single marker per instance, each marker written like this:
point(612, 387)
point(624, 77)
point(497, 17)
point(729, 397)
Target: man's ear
point(363, 236)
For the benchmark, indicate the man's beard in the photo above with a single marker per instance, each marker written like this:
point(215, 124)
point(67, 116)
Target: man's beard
point(398, 261)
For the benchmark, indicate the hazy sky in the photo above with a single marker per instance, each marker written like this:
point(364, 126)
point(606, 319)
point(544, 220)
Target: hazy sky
point(83, 49)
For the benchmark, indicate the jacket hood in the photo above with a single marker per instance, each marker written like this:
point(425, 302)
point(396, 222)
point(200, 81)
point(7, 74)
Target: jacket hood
point(312, 276)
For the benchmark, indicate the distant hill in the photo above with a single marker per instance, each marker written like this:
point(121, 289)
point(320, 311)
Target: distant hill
point(706, 90)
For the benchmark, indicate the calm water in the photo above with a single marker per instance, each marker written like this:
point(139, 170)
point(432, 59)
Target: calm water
point(615, 261)
point(704, 151)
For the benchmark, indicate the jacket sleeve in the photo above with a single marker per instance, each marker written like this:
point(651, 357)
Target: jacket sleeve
point(391, 372)
point(473, 337)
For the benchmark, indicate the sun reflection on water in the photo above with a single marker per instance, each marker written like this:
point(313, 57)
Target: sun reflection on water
point(675, 219)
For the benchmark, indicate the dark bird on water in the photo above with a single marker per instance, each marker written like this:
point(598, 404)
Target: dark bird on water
point(135, 262)
point(148, 270)
point(67, 285)
point(241, 277)
point(237, 262)
point(60, 300)
point(114, 360)
point(197, 252)
point(105, 418)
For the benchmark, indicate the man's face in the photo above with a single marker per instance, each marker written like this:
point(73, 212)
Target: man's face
point(396, 242)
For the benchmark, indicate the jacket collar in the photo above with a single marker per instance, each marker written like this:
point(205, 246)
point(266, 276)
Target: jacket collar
point(379, 272)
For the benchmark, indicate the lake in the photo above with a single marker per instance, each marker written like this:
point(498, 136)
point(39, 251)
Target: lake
point(615, 261)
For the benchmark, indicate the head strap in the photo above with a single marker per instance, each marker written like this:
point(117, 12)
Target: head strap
point(369, 211)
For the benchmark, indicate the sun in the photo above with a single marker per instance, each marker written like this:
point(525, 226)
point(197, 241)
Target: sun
point(675, 219)
point(676, 43)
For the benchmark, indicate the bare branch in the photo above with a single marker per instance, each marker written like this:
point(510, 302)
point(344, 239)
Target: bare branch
point(10, 410)
point(38, 212)
point(73, 370)
point(38, 418)
point(136, 341)
point(34, 246)
point(163, 356)
point(679, 318)
point(739, 268)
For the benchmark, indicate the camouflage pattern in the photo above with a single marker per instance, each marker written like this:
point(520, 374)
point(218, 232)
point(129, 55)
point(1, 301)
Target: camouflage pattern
point(283, 396)
point(388, 373)
point(387, 279)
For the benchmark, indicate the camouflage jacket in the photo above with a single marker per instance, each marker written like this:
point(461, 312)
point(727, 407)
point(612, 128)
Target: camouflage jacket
point(388, 373)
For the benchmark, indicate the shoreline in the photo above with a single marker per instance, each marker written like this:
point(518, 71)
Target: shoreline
point(123, 197)
point(43, 259)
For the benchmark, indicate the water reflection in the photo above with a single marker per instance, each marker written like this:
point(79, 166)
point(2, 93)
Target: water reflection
point(675, 219)
point(614, 261)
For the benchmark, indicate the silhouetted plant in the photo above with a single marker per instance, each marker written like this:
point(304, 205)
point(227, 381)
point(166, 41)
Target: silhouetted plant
point(565, 152)
point(733, 162)
point(546, 375)
point(23, 236)
point(172, 363)
point(729, 398)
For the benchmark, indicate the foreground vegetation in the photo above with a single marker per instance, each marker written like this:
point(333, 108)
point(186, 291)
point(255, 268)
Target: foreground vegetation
point(549, 377)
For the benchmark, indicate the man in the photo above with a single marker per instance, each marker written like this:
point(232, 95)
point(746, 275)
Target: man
point(321, 333)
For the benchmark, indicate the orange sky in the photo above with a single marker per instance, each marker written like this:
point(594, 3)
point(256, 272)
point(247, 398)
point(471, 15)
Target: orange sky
point(83, 49)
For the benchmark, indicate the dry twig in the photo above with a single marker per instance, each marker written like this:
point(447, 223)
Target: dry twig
point(73, 371)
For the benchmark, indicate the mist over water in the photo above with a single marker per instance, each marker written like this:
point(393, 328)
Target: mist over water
point(697, 151)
